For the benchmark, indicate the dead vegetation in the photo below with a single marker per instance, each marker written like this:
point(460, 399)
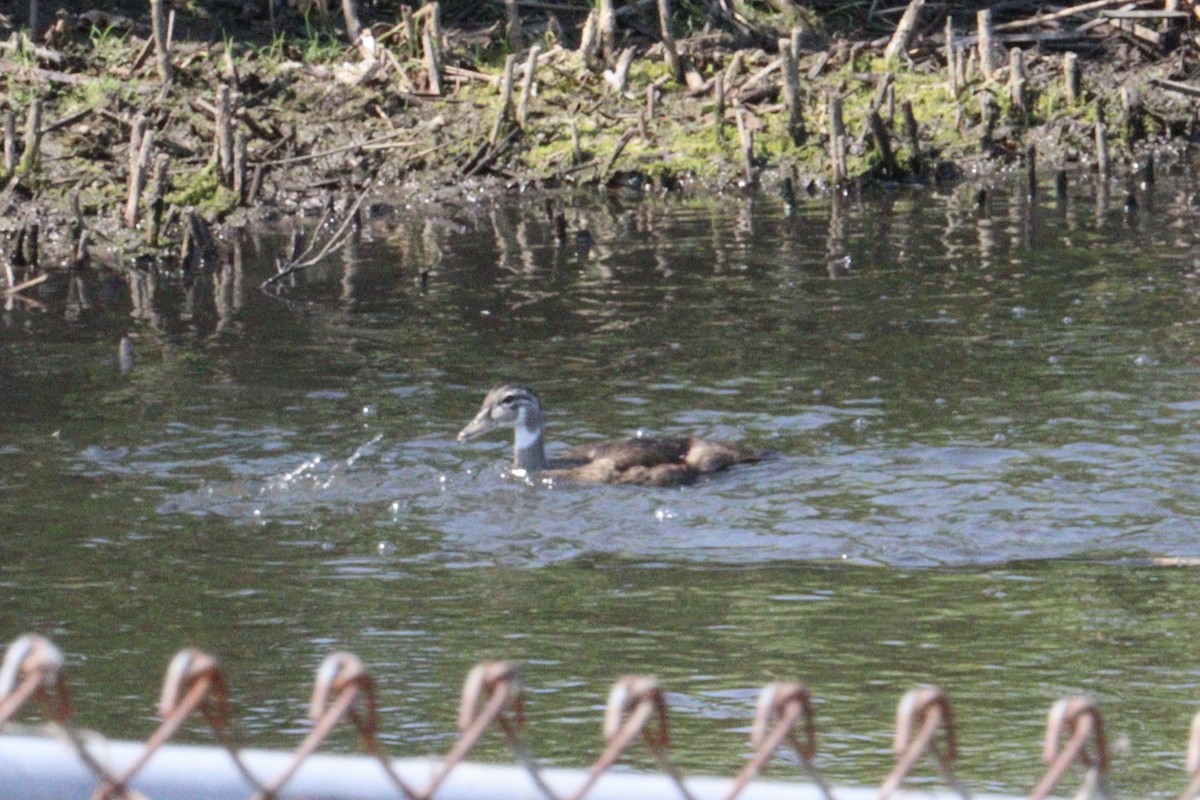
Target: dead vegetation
point(140, 132)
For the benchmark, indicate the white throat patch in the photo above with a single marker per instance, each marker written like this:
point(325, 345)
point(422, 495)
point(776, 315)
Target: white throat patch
point(525, 438)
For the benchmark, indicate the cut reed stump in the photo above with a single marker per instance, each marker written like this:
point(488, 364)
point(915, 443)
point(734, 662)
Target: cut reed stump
point(10, 141)
point(912, 132)
point(670, 51)
point(1016, 86)
point(883, 144)
point(747, 140)
point(618, 76)
point(987, 43)
point(411, 36)
point(162, 48)
point(224, 136)
point(1102, 149)
point(1072, 78)
point(904, 31)
point(589, 41)
point(951, 59)
point(791, 91)
point(719, 105)
point(512, 23)
point(33, 138)
point(606, 29)
point(506, 90)
point(1031, 171)
point(577, 157)
point(239, 166)
point(527, 86)
point(431, 45)
point(141, 146)
point(158, 193)
point(837, 139)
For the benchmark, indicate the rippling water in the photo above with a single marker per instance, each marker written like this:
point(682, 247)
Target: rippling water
point(983, 433)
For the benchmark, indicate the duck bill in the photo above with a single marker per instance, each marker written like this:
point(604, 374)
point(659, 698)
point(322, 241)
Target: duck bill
point(476, 428)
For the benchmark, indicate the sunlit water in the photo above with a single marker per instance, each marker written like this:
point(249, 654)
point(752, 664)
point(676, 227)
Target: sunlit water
point(982, 435)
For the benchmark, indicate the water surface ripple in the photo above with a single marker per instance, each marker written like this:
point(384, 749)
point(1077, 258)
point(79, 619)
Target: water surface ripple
point(982, 436)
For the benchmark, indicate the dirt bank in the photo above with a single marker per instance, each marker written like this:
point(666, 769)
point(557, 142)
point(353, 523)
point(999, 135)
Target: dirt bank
point(121, 151)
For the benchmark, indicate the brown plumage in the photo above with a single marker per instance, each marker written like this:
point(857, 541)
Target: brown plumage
point(667, 461)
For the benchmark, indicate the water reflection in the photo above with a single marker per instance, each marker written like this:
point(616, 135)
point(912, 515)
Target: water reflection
point(981, 415)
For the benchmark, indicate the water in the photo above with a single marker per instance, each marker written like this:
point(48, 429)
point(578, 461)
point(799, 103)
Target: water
point(983, 435)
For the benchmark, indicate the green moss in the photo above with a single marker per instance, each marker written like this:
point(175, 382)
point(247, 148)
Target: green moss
point(204, 191)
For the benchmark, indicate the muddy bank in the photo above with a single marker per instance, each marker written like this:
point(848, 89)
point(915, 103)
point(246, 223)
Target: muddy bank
point(127, 143)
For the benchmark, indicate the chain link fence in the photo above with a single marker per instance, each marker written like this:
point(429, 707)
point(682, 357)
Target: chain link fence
point(32, 674)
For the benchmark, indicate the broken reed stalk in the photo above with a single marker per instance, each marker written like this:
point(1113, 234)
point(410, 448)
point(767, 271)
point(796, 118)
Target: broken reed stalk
point(433, 24)
point(1016, 84)
point(506, 88)
point(719, 105)
point(576, 149)
point(837, 139)
point(951, 57)
point(621, 71)
point(651, 101)
point(606, 29)
point(1072, 78)
point(411, 36)
point(1031, 171)
point(255, 184)
point(800, 35)
point(747, 139)
point(987, 43)
point(158, 193)
point(913, 133)
point(883, 83)
point(141, 145)
point(33, 138)
point(25, 253)
point(354, 28)
point(904, 31)
point(224, 142)
point(14, 289)
point(527, 86)
point(626, 138)
point(83, 254)
point(162, 47)
point(31, 245)
point(239, 166)
point(10, 142)
point(989, 113)
point(883, 144)
point(791, 90)
point(589, 40)
point(512, 23)
point(1133, 127)
point(231, 72)
point(433, 61)
point(670, 51)
point(32, 255)
point(1102, 149)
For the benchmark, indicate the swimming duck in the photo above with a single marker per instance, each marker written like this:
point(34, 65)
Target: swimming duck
point(665, 461)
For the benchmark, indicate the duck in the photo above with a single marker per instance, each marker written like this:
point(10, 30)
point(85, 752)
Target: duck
point(640, 461)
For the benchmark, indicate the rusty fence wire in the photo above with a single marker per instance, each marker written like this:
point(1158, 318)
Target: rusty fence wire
point(32, 673)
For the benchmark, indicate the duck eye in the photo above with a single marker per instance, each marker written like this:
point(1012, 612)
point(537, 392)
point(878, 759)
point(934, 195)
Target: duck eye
point(508, 400)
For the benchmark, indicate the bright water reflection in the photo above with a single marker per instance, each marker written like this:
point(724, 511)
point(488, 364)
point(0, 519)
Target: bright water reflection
point(981, 421)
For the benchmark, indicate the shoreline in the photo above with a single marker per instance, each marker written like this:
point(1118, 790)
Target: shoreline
point(119, 157)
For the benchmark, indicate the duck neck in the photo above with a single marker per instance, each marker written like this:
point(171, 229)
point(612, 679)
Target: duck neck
point(528, 451)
